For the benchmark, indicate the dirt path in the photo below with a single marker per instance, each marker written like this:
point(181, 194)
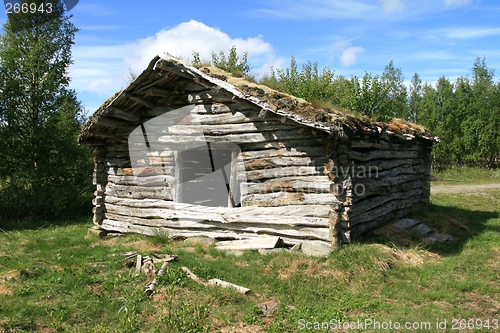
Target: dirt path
point(462, 188)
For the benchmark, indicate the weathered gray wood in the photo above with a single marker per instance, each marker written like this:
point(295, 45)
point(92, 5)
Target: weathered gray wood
point(264, 242)
point(127, 116)
point(289, 143)
point(191, 219)
point(360, 144)
point(298, 151)
point(152, 286)
point(215, 129)
point(224, 284)
point(139, 192)
point(294, 210)
point(380, 211)
point(112, 123)
point(383, 154)
point(283, 199)
point(125, 227)
point(161, 180)
point(181, 226)
point(270, 162)
point(281, 172)
point(389, 164)
point(288, 184)
point(371, 203)
point(142, 171)
point(139, 100)
point(231, 138)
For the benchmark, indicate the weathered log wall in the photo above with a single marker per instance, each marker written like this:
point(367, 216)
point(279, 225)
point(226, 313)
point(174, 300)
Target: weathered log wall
point(382, 180)
point(286, 190)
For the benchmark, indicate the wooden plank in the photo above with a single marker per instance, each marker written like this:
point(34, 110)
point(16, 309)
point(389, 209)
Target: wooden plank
point(208, 227)
point(139, 100)
point(216, 129)
point(234, 138)
point(139, 192)
point(384, 154)
point(270, 242)
point(281, 172)
point(261, 163)
point(224, 284)
point(188, 219)
point(127, 116)
point(292, 210)
point(284, 199)
point(288, 184)
point(298, 151)
point(161, 180)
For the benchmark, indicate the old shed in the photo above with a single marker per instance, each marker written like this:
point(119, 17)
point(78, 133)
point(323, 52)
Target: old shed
point(197, 152)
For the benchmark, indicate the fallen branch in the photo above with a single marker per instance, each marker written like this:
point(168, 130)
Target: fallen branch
point(215, 282)
point(152, 286)
point(192, 276)
point(224, 284)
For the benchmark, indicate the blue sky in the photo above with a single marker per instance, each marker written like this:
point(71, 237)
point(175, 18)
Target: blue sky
point(432, 38)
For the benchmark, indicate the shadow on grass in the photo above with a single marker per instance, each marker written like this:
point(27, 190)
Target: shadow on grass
point(463, 224)
point(41, 223)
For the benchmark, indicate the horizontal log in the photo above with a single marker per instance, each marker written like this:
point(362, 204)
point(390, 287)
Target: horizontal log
point(214, 129)
point(270, 162)
point(380, 211)
point(382, 165)
point(161, 180)
point(322, 233)
point(139, 100)
point(383, 154)
point(281, 144)
point(124, 227)
point(139, 192)
point(293, 210)
point(361, 193)
point(282, 172)
point(188, 219)
point(142, 171)
point(373, 202)
point(127, 116)
point(311, 151)
point(234, 117)
point(285, 198)
point(372, 144)
point(291, 184)
point(235, 138)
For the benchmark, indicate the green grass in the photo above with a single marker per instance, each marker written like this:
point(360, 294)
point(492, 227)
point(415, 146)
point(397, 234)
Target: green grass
point(62, 279)
point(467, 175)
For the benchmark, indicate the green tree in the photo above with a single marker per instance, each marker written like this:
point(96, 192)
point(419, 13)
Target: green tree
point(43, 171)
point(415, 99)
point(396, 105)
point(232, 64)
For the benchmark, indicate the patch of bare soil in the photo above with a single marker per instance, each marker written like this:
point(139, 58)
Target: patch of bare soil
point(242, 328)
point(463, 189)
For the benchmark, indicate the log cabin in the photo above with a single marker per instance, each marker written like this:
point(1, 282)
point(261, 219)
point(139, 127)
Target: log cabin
point(200, 152)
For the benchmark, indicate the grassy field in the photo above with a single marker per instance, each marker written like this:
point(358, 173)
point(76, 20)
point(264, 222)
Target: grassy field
point(63, 279)
point(466, 175)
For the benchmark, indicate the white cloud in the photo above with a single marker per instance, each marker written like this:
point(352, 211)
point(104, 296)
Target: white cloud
point(348, 53)
point(187, 37)
point(318, 9)
point(468, 33)
point(456, 3)
point(102, 70)
point(349, 56)
point(392, 6)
